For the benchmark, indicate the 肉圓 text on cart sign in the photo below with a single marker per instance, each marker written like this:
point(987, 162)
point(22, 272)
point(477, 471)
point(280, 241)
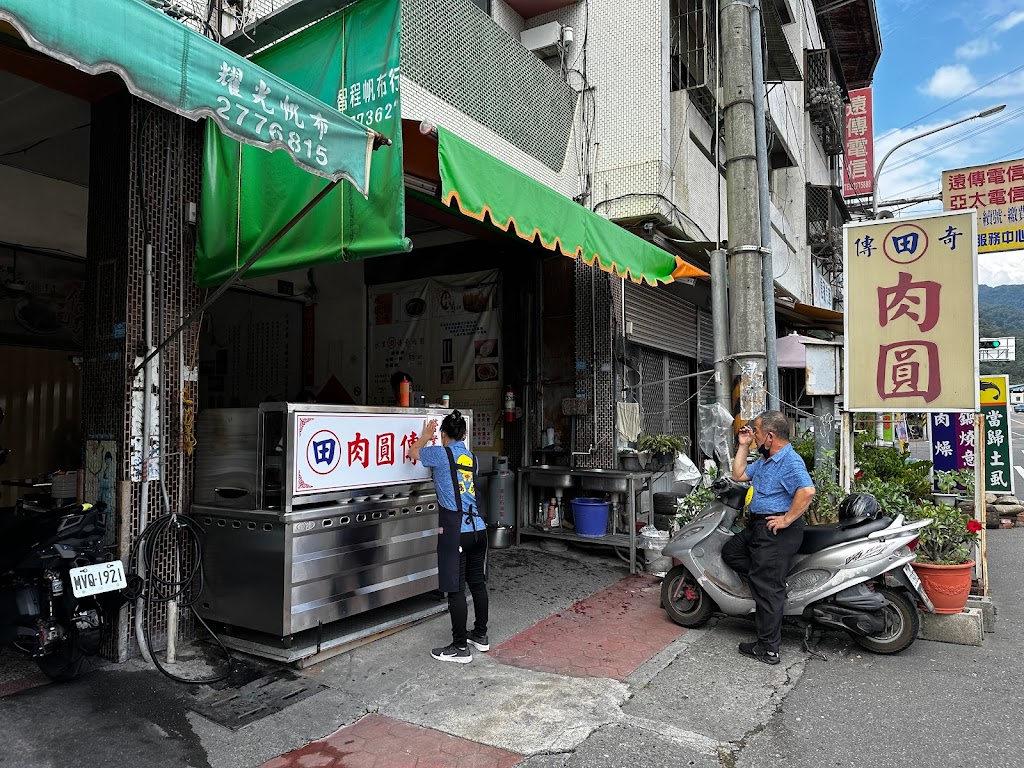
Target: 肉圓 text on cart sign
point(911, 314)
point(996, 192)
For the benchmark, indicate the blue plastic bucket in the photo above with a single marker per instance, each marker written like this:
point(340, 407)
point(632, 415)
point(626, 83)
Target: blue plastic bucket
point(590, 517)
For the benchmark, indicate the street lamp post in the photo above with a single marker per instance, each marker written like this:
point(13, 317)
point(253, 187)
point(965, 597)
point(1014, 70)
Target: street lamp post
point(878, 171)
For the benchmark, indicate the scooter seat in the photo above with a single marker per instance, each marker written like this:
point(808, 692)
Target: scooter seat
point(819, 537)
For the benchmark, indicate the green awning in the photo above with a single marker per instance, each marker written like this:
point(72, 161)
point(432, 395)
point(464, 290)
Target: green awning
point(166, 63)
point(481, 185)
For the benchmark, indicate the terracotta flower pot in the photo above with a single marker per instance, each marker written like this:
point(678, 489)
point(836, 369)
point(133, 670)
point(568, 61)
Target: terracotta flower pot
point(948, 586)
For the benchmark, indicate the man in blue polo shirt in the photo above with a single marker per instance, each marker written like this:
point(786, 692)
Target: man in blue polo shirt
point(763, 551)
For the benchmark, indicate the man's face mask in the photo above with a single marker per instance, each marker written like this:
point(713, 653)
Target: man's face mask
point(764, 448)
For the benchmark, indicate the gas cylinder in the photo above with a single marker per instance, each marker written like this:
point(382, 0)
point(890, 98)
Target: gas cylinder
point(501, 506)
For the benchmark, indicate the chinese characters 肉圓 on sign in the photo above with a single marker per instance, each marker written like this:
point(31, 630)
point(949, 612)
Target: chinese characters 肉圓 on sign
point(859, 151)
point(340, 451)
point(910, 285)
point(996, 192)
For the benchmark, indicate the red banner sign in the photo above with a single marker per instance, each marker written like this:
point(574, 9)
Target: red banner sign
point(859, 150)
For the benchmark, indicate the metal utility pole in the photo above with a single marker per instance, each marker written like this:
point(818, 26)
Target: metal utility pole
point(747, 336)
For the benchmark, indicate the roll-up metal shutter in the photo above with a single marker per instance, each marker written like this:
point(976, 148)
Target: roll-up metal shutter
point(661, 320)
point(706, 338)
point(665, 393)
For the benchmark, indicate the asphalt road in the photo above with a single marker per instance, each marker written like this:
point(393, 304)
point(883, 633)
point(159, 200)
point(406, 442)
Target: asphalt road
point(696, 703)
point(1017, 451)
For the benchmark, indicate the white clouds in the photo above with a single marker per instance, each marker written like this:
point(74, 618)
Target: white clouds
point(912, 173)
point(975, 49)
point(950, 81)
point(1009, 22)
point(1001, 268)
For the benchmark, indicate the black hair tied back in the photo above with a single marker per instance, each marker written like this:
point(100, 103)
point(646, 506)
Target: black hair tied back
point(454, 425)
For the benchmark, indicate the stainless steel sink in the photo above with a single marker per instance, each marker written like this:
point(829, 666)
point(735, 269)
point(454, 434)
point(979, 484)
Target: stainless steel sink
point(607, 480)
point(549, 476)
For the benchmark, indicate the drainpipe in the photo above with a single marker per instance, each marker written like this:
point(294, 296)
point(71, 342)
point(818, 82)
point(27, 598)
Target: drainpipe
point(764, 206)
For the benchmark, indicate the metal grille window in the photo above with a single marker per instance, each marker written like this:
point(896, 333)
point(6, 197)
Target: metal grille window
point(693, 31)
point(665, 396)
point(825, 221)
point(824, 97)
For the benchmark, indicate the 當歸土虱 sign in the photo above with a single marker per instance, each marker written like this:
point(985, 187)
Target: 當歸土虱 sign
point(911, 314)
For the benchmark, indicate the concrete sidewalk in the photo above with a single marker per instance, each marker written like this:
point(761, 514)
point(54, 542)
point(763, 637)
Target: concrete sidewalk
point(585, 670)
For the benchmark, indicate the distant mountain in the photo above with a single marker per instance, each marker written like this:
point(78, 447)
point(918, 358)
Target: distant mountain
point(1001, 313)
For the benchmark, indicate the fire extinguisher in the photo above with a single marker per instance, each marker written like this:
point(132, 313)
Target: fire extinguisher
point(404, 391)
point(510, 404)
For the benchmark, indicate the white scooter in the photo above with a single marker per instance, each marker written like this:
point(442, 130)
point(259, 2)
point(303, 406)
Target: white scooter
point(854, 575)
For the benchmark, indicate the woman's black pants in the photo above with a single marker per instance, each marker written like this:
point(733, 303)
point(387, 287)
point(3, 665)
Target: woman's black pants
point(472, 571)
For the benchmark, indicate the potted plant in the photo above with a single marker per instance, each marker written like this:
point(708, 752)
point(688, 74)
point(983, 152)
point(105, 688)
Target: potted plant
point(691, 505)
point(944, 555)
point(947, 482)
point(629, 461)
point(662, 449)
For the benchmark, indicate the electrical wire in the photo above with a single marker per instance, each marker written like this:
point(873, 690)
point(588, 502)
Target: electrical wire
point(1004, 156)
point(950, 103)
point(960, 137)
point(181, 535)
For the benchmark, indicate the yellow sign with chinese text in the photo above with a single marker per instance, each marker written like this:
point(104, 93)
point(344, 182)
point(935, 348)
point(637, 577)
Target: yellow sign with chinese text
point(911, 314)
point(996, 192)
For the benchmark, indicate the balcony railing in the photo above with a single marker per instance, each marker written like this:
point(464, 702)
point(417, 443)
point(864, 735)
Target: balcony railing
point(824, 98)
point(826, 214)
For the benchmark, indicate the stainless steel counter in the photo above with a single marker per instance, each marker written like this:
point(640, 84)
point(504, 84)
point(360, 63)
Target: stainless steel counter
point(575, 483)
point(313, 513)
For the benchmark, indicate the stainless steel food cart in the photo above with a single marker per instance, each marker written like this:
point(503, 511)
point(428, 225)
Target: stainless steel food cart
point(312, 513)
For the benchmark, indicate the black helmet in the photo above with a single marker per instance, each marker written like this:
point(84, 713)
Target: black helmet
point(858, 507)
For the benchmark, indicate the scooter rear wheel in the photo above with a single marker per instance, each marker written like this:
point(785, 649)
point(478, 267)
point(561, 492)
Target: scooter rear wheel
point(685, 601)
point(902, 624)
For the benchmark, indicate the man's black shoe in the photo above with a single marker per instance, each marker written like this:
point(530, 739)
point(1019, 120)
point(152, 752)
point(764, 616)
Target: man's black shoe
point(755, 651)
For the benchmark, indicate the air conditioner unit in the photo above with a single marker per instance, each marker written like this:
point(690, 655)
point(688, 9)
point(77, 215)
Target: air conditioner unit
point(543, 40)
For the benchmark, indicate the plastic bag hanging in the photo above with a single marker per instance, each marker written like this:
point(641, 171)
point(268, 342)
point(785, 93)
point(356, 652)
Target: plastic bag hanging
point(684, 470)
point(715, 424)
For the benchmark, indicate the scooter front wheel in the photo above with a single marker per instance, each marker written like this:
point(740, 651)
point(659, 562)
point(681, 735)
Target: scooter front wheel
point(685, 601)
point(902, 623)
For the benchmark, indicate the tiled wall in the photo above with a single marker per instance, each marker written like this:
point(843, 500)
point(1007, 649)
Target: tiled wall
point(130, 136)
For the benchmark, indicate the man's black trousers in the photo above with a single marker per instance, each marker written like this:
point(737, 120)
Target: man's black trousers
point(764, 558)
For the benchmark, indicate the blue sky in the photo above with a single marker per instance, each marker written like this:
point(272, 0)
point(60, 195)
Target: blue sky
point(934, 54)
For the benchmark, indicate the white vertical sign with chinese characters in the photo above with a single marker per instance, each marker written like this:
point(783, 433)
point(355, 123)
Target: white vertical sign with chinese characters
point(859, 146)
point(911, 314)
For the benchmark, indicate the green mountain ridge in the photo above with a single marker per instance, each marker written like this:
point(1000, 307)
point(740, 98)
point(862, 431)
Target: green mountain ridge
point(1001, 313)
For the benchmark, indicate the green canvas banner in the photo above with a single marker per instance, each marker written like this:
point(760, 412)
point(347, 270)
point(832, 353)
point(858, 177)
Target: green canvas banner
point(166, 63)
point(350, 60)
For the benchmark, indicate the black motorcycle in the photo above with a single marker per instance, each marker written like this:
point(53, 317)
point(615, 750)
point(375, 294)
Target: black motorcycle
point(56, 586)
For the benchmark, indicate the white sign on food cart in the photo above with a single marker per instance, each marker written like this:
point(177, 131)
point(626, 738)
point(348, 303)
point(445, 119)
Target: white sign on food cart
point(335, 452)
